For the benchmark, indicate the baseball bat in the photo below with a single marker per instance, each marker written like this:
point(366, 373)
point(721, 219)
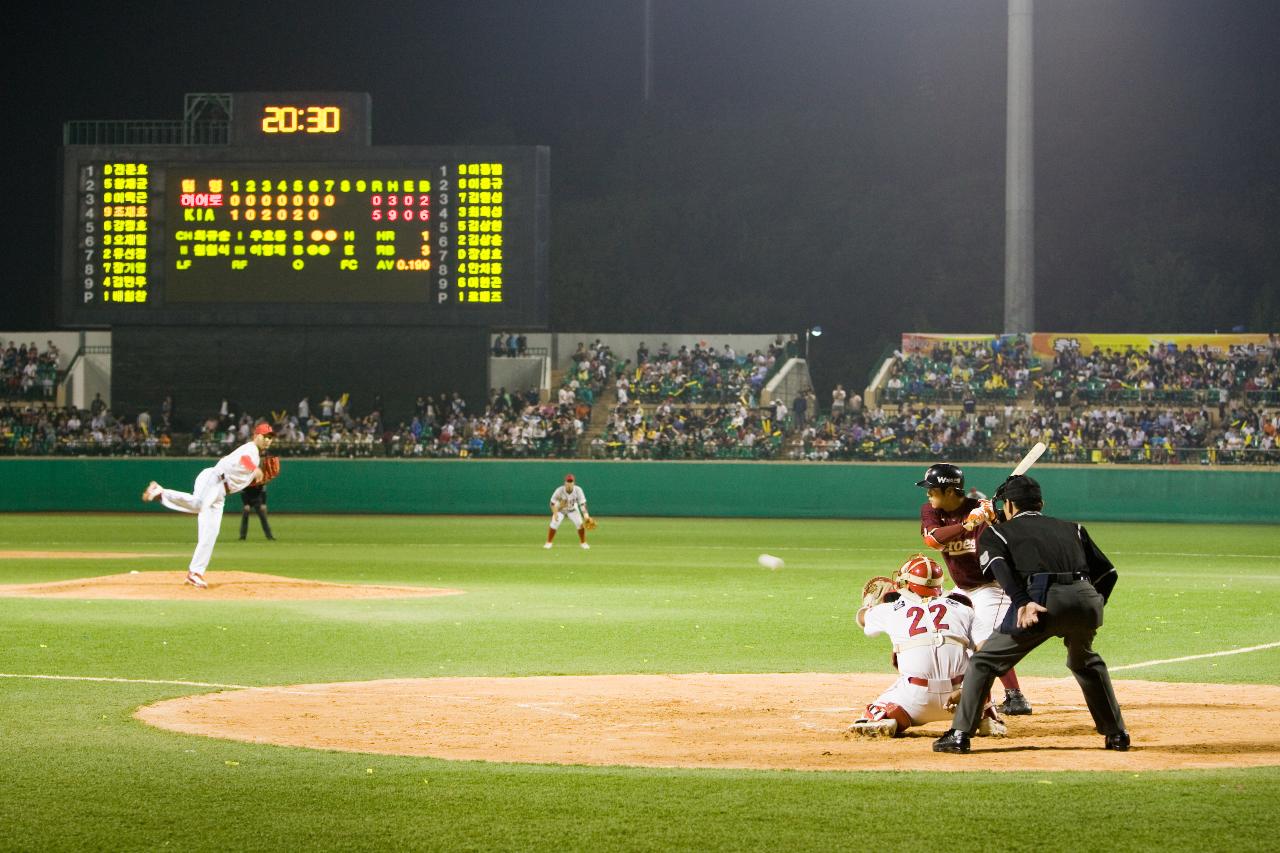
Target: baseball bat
point(1036, 451)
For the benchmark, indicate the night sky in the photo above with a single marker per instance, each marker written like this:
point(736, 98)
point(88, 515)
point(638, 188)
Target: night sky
point(1143, 107)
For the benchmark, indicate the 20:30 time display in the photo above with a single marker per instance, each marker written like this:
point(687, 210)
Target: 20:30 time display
point(308, 119)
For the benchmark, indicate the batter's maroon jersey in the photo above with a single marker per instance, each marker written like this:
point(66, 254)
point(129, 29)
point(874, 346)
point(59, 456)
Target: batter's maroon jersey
point(945, 532)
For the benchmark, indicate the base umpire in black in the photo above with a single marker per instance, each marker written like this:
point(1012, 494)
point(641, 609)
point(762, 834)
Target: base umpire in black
point(1058, 581)
point(254, 498)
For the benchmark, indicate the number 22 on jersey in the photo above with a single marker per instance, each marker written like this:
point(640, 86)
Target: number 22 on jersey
point(937, 610)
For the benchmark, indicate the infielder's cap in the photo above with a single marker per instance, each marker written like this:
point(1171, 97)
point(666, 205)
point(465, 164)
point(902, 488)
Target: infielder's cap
point(1020, 489)
point(263, 429)
point(568, 478)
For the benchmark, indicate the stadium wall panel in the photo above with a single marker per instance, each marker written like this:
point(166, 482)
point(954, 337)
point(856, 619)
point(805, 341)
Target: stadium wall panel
point(275, 366)
point(716, 489)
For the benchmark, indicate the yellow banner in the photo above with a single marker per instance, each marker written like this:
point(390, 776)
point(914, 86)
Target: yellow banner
point(1046, 344)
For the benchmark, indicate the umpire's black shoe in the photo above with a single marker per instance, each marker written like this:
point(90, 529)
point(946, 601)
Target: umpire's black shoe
point(1118, 742)
point(1015, 704)
point(953, 741)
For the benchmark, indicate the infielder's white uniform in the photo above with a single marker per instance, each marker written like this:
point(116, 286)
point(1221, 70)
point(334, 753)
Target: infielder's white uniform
point(932, 638)
point(568, 503)
point(231, 474)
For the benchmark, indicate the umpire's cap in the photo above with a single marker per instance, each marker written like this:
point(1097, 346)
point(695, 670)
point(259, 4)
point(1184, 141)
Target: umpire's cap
point(942, 475)
point(1021, 489)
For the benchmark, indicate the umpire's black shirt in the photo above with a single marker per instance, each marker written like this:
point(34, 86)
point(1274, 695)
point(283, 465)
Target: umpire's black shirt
point(1030, 544)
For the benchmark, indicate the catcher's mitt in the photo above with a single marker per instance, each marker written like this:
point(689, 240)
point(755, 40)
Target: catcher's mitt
point(270, 468)
point(590, 524)
point(875, 590)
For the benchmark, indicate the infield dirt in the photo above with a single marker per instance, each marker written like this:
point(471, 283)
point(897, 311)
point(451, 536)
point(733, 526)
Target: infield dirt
point(758, 721)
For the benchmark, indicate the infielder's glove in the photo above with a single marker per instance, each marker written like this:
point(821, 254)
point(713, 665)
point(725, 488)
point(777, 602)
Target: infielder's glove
point(270, 468)
point(590, 524)
point(875, 590)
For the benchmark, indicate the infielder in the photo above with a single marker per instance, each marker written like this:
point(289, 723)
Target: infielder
point(932, 638)
point(951, 523)
point(231, 474)
point(568, 501)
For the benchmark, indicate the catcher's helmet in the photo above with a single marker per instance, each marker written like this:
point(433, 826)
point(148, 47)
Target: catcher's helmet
point(941, 476)
point(921, 575)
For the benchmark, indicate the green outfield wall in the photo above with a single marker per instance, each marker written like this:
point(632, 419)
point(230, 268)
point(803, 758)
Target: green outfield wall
point(747, 489)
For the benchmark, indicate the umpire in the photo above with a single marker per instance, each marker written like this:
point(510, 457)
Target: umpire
point(1058, 581)
point(254, 498)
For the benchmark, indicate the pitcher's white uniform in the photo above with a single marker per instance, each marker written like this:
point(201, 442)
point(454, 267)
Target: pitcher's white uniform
point(932, 639)
point(231, 474)
point(567, 503)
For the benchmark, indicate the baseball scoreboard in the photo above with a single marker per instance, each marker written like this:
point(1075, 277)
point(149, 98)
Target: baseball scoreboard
point(298, 219)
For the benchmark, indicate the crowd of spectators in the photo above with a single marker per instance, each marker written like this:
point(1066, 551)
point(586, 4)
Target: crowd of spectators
point(1163, 373)
point(700, 403)
point(511, 424)
point(27, 372)
point(699, 374)
point(976, 372)
point(40, 428)
point(956, 372)
point(673, 430)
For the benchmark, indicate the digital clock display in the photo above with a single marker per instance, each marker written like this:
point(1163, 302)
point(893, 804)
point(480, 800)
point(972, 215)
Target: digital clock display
point(271, 234)
point(313, 119)
point(307, 119)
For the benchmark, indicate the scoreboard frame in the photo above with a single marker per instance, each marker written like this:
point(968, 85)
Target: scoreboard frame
point(527, 225)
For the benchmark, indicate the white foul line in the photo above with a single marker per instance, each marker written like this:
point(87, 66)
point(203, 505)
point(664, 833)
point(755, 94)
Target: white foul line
point(158, 681)
point(126, 680)
point(540, 706)
point(1193, 657)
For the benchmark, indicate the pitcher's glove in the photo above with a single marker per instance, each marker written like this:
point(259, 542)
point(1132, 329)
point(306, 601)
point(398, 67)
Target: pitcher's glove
point(877, 590)
point(270, 468)
point(589, 523)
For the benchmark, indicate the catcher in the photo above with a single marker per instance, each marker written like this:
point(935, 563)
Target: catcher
point(568, 501)
point(254, 496)
point(932, 641)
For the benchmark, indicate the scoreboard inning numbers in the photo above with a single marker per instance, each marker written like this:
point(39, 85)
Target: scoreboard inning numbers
point(331, 230)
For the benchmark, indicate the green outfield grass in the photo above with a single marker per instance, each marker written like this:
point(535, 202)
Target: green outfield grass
point(653, 595)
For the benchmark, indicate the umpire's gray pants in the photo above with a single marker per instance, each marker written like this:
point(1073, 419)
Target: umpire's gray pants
point(1075, 614)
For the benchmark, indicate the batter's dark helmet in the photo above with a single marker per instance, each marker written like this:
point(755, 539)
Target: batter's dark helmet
point(941, 476)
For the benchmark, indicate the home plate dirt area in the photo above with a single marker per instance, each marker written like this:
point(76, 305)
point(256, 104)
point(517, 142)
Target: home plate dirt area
point(223, 586)
point(760, 721)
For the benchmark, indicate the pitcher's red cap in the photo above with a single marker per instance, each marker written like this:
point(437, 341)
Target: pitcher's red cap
point(263, 429)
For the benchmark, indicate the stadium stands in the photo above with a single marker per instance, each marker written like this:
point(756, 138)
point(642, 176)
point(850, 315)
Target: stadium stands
point(963, 400)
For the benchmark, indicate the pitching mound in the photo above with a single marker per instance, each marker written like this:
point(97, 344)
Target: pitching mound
point(792, 721)
point(223, 586)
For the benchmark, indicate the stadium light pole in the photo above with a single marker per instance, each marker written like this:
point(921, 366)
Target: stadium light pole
point(1019, 177)
point(811, 332)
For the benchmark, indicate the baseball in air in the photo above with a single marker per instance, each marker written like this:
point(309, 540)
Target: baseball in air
point(770, 562)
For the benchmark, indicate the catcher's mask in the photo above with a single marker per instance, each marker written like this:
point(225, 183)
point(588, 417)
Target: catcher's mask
point(943, 476)
point(921, 575)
